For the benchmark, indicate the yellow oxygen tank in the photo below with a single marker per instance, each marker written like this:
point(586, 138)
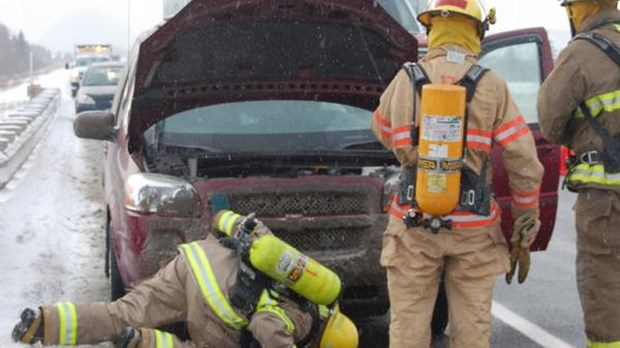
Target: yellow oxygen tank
point(440, 160)
point(285, 264)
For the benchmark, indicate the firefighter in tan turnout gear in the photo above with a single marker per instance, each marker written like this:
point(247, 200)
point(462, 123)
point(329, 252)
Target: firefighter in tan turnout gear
point(214, 286)
point(579, 106)
point(441, 118)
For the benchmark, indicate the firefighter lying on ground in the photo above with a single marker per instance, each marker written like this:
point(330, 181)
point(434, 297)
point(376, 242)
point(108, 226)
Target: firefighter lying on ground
point(441, 117)
point(579, 106)
point(215, 286)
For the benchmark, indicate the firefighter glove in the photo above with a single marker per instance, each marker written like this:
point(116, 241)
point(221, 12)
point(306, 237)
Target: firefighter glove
point(29, 330)
point(524, 233)
point(130, 338)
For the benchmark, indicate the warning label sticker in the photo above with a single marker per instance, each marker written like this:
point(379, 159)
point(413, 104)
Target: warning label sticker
point(437, 183)
point(442, 128)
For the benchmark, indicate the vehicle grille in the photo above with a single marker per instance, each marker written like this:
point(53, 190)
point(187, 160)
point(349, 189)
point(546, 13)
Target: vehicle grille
point(102, 102)
point(323, 239)
point(312, 214)
point(307, 203)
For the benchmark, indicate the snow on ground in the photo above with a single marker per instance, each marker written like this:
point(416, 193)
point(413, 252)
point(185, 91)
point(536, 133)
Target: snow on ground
point(12, 98)
point(52, 222)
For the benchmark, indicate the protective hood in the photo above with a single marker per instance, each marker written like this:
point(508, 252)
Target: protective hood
point(220, 51)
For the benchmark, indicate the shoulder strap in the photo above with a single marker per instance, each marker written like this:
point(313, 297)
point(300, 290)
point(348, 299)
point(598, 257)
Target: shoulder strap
point(605, 44)
point(470, 80)
point(417, 75)
point(607, 139)
point(613, 52)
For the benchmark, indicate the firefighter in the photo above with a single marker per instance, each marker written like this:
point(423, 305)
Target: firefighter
point(466, 244)
point(202, 287)
point(579, 106)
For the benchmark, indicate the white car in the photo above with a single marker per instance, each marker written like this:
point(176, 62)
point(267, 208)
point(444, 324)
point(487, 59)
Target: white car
point(78, 67)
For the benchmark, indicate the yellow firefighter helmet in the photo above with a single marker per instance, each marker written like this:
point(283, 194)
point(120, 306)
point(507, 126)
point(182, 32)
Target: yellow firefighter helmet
point(473, 9)
point(339, 332)
point(610, 2)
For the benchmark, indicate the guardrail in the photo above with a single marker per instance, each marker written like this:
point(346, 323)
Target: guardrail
point(21, 130)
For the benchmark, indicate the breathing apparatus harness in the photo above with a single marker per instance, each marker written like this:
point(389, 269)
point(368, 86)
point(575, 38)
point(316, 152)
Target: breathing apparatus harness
point(475, 192)
point(251, 283)
point(610, 157)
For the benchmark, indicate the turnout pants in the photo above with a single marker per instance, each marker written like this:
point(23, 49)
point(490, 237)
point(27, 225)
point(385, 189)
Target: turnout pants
point(597, 214)
point(156, 301)
point(471, 259)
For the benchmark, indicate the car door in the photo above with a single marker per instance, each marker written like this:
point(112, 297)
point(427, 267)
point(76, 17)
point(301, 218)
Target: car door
point(523, 58)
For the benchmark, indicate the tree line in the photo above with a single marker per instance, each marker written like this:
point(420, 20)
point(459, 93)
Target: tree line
point(15, 54)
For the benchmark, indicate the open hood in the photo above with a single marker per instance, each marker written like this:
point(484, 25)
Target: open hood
point(220, 51)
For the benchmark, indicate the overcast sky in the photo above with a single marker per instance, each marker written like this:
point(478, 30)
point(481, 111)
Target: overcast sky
point(35, 17)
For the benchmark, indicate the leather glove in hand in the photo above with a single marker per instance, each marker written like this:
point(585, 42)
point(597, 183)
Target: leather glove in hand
point(524, 233)
point(30, 327)
point(130, 338)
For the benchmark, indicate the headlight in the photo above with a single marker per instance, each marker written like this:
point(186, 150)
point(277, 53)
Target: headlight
point(161, 194)
point(85, 99)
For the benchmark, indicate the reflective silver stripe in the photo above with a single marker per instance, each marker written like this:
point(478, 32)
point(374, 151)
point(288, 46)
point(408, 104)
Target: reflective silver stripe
point(525, 199)
point(479, 139)
point(386, 129)
point(510, 131)
point(401, 135)
point(203, 274)
point(68, 324)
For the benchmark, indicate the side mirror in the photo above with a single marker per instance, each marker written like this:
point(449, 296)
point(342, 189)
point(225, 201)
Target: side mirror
point(67, 66)
point(96, 125)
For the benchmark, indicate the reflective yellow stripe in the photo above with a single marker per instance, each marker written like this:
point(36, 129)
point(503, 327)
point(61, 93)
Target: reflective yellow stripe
point(607, 102)
point(227, 221)
point(615, 344)
point(68, 324)
point(163, 339)
point(204, 277)
point(594, 174)
point(617, 26)
point(268, 304)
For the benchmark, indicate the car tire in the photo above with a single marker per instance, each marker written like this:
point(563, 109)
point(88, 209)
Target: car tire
point(440, 313)
point(117, 287)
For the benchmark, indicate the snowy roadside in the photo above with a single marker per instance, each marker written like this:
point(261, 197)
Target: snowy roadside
point(52, 223)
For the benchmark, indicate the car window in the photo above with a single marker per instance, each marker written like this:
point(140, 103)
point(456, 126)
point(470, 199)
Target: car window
point(520, 66)
point(80, 62)
point(102, 76)
point(268, 117)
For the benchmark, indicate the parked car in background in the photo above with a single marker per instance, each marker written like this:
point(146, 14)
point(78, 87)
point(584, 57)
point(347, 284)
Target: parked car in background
point(264, 106)
point(78, 67)
point(98, 86)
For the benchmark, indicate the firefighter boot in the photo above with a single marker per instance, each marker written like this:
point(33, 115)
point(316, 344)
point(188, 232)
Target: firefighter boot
point(130, 338)
point(30, 328)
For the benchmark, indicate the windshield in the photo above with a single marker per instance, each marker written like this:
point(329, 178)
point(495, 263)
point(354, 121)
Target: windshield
point(276, 124)
point(90, 60)
point(102, 76)
point(401, 11)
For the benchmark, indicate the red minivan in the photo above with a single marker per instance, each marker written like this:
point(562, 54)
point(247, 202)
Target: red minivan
point(264, 106)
